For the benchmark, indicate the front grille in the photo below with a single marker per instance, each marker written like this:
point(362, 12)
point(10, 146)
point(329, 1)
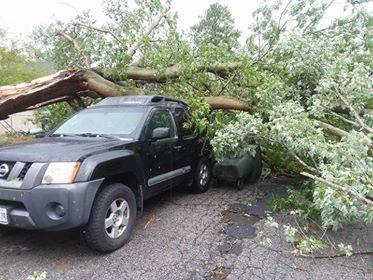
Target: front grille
point(6, 164)
point(16, 170)
point(24, 170)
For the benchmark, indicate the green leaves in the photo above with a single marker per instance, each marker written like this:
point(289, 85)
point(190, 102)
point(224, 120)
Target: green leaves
point(313, 75)
point(295, 73)
point(51, 116)
point(308, 245)
point(15, 65)
point(216, 27)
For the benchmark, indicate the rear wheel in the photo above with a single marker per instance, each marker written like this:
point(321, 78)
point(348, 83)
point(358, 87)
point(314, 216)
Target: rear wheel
point(202, 177)
point(240, 183)
point(112, 218)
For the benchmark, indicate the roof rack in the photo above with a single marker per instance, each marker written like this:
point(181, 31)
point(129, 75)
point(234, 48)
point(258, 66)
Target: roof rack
point(159, 98)
point(138, 100)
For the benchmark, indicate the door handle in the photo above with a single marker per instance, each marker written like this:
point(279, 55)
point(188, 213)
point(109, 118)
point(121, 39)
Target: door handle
point(178, 148)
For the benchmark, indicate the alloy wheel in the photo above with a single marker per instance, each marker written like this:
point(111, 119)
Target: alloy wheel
point(117, 217)
point(203, 175)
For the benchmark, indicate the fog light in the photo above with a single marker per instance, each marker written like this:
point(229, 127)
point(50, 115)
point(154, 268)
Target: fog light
point(60, 211)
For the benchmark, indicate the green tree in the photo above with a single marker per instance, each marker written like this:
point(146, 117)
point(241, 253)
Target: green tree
point(309, 84)
point(216, 27)
point(15, 65)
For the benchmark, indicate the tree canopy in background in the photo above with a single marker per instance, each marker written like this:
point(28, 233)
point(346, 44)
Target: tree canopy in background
point(15, 64)
point(307, 79)
point(216, 27)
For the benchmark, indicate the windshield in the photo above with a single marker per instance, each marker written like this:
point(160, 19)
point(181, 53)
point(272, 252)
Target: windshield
point(121, 121)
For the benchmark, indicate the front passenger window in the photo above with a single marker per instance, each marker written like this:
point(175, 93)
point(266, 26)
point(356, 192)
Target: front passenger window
point(161, 118)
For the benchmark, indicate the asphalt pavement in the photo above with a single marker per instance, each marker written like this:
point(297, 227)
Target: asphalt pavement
point(186, 236)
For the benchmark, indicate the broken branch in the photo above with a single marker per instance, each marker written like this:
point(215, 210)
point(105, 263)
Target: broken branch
point(339, 187)
point(102, 30)
point(332, 129)
point(153, 24)
point(76, 46)
point(353, 111)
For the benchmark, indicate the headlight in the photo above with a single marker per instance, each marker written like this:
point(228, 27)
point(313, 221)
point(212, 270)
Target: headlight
point(61, 173)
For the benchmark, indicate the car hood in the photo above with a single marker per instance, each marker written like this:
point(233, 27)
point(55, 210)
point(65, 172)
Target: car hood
point(59, 149)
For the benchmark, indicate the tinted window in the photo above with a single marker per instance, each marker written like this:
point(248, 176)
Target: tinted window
point(161, 118)
point(183, 119)
point(114, 121)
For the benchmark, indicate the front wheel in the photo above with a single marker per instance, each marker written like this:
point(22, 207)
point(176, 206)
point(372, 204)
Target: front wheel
point(112, 218)
point(202, 177)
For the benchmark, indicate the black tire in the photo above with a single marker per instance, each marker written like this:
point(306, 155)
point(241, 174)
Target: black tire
point(201, 185)
point(95, 232)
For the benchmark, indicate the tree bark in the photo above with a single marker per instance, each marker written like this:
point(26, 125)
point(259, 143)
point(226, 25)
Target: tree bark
point(67, 85)
point(332, 129)
point(55, 88)
point(173, 72)
point(226, 103)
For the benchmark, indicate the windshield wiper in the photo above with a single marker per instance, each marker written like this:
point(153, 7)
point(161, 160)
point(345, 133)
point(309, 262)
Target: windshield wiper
point(87, 134)
point(96, 135)
point(62, 135)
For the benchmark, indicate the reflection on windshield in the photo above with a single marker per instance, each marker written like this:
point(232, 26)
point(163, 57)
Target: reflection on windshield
point(103, 121)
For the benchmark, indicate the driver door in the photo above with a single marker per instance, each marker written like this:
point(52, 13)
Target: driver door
point(160, 162)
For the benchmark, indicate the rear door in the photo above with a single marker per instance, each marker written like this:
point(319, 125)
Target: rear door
point(187, 150)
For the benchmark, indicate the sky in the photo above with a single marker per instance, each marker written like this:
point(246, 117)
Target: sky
point(19, 17)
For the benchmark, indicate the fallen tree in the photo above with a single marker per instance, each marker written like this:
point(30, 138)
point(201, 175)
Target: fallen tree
point(308, 89)
point(70, 85)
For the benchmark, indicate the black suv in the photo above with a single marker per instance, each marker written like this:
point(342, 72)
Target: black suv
point(96, 169)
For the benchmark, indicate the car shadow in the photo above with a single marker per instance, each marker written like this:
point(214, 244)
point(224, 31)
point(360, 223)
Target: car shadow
point(51, 244)
point(17, 241)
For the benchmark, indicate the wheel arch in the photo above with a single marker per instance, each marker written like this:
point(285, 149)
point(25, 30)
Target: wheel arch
point(130, 180)
point(122, 167)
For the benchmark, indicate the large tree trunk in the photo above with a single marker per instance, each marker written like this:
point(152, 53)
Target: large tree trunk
point(175, 71)
point(58, 87)
point(68, 85)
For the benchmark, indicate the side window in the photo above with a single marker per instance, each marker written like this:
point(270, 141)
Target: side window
point(161, 118)
point(183, 118)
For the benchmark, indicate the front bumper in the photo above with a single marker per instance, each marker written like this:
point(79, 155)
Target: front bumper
point(36, 208)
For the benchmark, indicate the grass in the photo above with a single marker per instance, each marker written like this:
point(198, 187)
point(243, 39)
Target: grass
point(13, 138)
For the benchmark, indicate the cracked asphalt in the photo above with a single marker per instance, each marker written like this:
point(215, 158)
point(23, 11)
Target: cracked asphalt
point(186, 236)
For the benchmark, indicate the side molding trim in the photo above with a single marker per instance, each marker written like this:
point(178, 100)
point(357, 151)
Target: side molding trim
point(169, 175)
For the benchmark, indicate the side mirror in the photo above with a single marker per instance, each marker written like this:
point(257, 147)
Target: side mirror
point(161, 133)
point(38, 133)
